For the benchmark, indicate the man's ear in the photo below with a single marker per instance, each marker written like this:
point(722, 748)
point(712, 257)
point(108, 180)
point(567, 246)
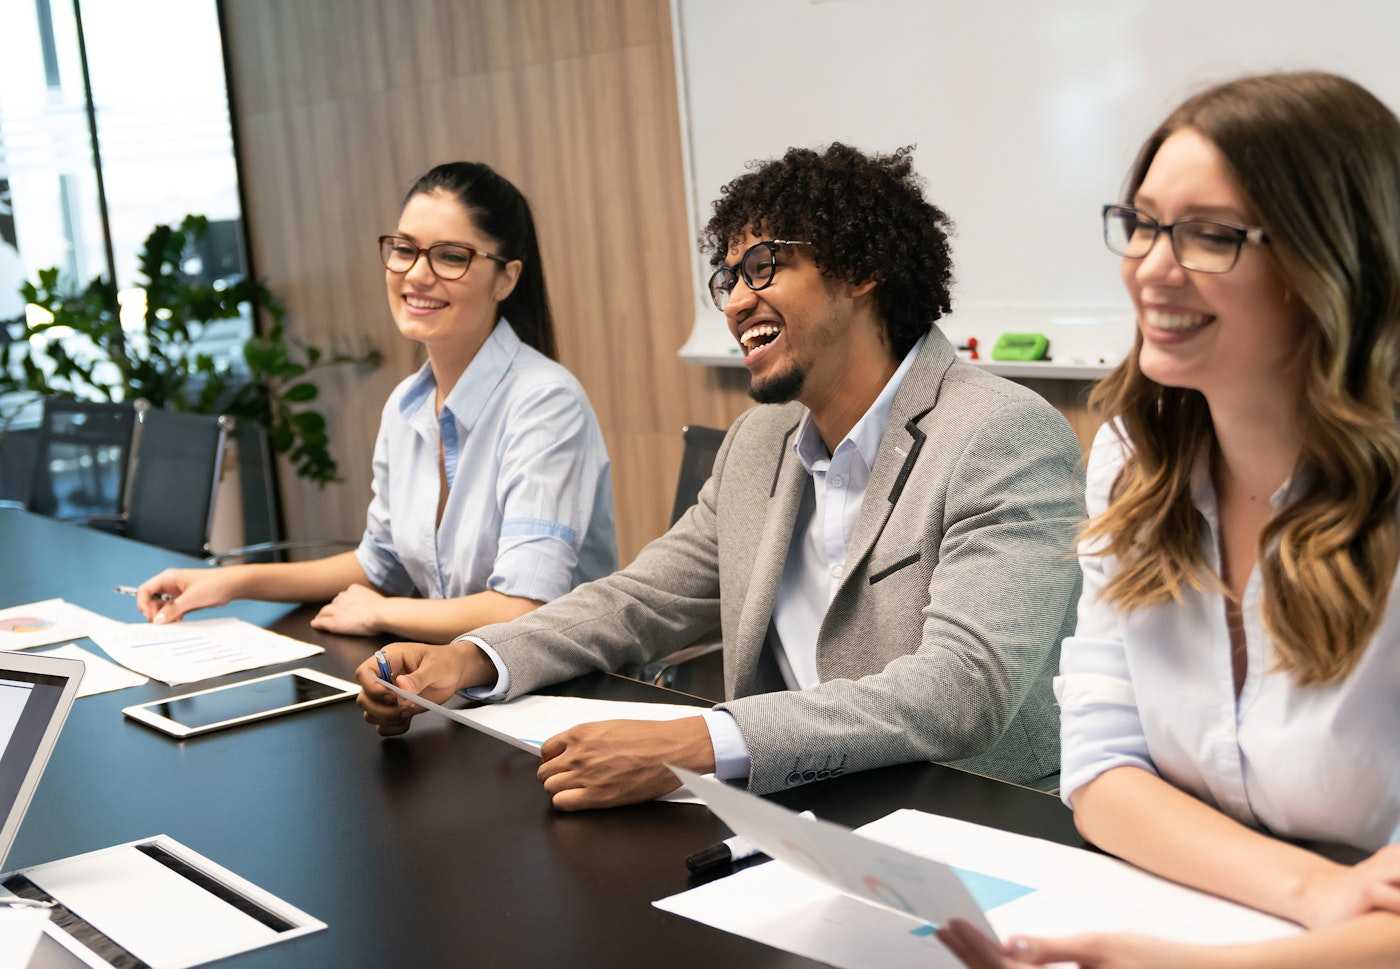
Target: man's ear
point(864, 288)
point(505, 282)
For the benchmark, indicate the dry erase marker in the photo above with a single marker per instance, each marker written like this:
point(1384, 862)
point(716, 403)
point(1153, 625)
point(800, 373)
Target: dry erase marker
point(727, 852)
point(130, 590)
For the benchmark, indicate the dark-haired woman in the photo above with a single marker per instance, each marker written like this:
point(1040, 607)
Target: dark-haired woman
point(1234, 682)
point(492, 489)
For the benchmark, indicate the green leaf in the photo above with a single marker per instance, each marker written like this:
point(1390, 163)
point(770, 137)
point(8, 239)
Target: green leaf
point(300, 393)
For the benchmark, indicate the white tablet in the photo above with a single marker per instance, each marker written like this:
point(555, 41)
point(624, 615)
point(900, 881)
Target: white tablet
point(225, 706)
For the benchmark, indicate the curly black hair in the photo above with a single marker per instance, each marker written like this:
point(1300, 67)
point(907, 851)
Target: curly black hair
point(866, 218)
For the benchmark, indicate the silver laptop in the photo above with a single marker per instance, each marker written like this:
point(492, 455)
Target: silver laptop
point(36, 693)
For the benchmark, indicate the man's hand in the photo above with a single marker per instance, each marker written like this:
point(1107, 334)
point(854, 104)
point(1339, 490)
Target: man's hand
point(1341, 892)
point(615, 762)
point(356, 611)
point(976, 951)
point(432, 672)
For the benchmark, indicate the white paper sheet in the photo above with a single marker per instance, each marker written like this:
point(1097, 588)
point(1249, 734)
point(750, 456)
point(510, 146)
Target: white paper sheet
point(184, 652)
point(99, 675)
point(1025, 885)
point(919, 889)
point(19, 934)
point(113, 889)
point(48, 621)
point(528, 721)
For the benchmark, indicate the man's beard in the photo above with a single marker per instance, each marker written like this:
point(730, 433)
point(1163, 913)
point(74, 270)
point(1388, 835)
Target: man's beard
point(780, 388)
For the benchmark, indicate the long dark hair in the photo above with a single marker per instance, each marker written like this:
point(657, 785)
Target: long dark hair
point(501, 211)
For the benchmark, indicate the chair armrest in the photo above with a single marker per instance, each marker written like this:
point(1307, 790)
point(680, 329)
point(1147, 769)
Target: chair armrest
point(219, 558)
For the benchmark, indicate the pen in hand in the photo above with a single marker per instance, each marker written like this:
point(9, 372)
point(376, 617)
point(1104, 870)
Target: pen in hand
point(130, 590)
point(727, 852)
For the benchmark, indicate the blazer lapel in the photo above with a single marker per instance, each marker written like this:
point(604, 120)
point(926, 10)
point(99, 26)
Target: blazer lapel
point(788, 482)
point(900, 445)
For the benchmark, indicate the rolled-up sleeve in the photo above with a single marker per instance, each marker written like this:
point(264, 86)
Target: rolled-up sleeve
point(376, 551)
point(552, 462)
point(1100, 726)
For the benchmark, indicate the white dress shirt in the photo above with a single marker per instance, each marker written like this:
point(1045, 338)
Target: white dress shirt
point(1153, 688)
point(529, 503)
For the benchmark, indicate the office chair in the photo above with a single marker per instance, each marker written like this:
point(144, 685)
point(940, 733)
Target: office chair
point(178, 465)
point(697, 669)
point(81, 460)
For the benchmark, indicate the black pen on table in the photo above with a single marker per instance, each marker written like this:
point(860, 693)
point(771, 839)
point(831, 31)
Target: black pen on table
point(727, 852)
point(130, 590)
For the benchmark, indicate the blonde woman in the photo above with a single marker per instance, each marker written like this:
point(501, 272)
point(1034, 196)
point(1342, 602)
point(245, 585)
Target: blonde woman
point(1234, 682)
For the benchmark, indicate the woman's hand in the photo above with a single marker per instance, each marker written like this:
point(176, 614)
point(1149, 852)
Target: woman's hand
point(356, 611)
point(976, 951)
point(1341, 892)
point(189, 589)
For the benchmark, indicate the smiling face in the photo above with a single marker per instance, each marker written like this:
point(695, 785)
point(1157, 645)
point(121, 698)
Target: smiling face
point(1229, 333)
point(791, 331)
point(455, 313)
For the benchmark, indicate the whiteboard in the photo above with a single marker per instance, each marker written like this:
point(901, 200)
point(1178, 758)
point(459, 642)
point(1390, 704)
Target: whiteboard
point(1026, 116)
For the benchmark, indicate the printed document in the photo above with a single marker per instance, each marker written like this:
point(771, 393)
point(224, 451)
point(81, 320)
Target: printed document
point(1023, 885)
point(48, 621)
point(183, 652)
point(528, 721)
point(99, 675)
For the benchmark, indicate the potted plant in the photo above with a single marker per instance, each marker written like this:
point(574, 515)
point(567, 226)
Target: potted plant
point(85, 343)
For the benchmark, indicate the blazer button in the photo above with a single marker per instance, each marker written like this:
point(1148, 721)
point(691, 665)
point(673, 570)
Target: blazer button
point(795, 777)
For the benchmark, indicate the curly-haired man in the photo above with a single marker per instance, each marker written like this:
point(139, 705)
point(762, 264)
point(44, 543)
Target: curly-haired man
point(885, 542)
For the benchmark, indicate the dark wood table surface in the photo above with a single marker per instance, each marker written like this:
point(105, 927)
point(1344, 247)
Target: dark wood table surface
point(436, 848)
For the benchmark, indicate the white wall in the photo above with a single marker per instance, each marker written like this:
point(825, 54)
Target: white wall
point(1026, 116)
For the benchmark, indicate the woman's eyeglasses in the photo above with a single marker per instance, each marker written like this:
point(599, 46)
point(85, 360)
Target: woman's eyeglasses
point(1201, 245)
point(447, 260)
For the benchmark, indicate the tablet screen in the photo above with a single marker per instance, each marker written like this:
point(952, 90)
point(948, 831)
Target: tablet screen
point(243, 700)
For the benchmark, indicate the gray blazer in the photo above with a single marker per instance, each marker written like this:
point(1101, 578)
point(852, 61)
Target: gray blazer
point(944, 634)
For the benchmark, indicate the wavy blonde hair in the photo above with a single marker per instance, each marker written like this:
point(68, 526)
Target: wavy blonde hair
point(1318, 158)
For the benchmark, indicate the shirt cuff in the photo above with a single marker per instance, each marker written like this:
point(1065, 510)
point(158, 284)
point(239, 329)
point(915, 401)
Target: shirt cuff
point(502, 686)
point(731, 753)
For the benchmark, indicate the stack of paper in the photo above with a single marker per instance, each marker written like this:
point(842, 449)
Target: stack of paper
point(99, 675)
point(184, 652)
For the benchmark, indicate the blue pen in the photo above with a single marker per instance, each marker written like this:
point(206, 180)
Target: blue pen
point(386, 672)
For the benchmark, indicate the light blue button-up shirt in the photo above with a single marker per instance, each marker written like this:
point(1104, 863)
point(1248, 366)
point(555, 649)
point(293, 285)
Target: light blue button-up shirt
point(529, 508)
point(816, 560)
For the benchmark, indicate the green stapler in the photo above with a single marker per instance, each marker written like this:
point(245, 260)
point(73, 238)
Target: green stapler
point(1021, 346)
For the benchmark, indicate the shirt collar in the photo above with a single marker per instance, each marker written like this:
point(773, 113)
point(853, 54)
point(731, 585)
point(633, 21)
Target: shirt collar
point(865, 436)
point(476, 383)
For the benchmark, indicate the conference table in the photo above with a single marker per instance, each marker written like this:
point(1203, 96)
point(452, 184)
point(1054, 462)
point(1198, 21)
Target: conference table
point(435, 848)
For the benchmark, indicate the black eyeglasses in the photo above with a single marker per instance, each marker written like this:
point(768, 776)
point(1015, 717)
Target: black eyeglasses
point(1201, 245)
point(447, 260)
point(758, 265)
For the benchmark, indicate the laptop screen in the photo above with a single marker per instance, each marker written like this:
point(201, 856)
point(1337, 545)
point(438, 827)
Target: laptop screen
point(36, 693)
point(27, 703)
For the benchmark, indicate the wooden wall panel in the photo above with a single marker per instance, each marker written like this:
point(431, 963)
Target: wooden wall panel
point(341, 103)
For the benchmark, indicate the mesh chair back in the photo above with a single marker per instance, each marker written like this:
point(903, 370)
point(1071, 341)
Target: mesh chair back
point(81, 459)
point(175, 478)
point(697, 461)
point(18, 451)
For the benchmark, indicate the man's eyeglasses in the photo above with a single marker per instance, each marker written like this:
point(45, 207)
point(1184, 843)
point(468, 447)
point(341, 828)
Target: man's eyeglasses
point(447, 260)
point(1201, 245)
point(758, 265)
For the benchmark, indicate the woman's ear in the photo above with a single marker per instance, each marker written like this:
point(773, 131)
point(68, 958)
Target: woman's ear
point(506, 280)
